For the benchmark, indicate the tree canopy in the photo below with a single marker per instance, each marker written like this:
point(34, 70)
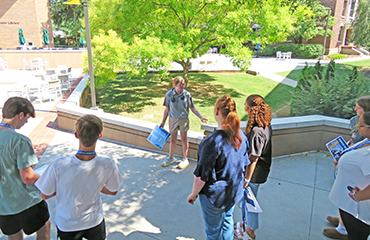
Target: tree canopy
point(136, 35)
point(361, 26)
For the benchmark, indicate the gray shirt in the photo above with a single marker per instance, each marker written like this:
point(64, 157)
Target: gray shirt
point(178, 104)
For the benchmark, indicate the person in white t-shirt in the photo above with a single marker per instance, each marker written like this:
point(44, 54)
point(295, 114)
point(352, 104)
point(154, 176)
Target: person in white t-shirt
point(77, 182)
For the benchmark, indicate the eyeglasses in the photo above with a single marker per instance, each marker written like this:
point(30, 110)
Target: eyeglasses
point(363, 126)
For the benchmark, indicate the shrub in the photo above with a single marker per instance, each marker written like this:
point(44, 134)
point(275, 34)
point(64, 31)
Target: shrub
point(267, 51)
point(327, 94)
point(337, 56)
point(302, 50)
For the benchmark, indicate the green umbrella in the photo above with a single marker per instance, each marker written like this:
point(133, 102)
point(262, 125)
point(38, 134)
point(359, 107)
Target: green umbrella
point(82, 37)
point(22, 40)
point(46, 37)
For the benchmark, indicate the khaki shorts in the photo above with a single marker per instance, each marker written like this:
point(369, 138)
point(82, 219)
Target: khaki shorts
point(176, 124)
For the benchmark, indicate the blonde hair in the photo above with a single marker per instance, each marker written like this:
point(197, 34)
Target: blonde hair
point(231, 123)
point(88, 128)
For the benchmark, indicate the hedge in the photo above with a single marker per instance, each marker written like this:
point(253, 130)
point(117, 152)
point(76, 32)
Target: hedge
point(302, 50)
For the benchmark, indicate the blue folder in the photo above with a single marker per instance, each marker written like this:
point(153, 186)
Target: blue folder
point(158, 137)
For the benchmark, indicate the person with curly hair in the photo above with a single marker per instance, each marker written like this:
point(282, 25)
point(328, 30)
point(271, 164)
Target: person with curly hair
point(259, 133)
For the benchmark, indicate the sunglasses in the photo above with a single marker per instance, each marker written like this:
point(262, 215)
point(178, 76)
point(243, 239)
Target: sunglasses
point(174, 98)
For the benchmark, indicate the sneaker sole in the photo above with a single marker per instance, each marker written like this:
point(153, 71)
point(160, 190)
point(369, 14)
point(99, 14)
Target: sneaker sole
point(182, 167)
point(166, 164)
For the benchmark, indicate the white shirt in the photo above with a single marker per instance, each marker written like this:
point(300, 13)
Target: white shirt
point(77, 185)
point(354, 171)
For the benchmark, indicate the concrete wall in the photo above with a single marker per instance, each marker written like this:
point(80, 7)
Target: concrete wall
point(73, 58)
point(30, 15)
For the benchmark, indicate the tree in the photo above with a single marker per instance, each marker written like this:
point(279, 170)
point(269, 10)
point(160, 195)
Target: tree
point(153, 33)
point(62, 16)
point(361, 26)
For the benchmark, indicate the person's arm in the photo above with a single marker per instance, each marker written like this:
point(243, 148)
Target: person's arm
point(44, 197)
point(28, 175)
point(196, 112)
point(107, 192)
point(250, 169)
point(197, 186)
point(360, 195)
point(165, 115)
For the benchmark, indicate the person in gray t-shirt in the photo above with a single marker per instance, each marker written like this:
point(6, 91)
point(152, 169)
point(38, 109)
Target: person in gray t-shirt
point(177, 102)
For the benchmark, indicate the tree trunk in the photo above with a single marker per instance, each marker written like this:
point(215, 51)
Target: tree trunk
point(185, 71)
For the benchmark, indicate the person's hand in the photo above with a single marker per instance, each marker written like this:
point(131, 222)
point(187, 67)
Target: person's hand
point(353, 192)
point(335, 164)
point(246, 184)
point(192, 198)
point(161, 125)
point(204, 120)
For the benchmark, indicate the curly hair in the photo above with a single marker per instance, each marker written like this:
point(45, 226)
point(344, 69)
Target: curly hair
point(231, 123)
point(259, 114)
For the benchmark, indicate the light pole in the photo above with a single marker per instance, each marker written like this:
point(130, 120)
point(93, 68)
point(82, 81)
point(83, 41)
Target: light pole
point(88, 45)
point(326, 32)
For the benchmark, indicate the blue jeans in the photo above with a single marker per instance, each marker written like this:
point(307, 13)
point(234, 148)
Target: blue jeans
point(252, 218)
point(219, 222)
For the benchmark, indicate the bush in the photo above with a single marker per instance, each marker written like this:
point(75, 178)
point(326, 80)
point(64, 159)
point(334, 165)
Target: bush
point(337, 56)
point(267, 51)
point(326, 94)
point(301, 50)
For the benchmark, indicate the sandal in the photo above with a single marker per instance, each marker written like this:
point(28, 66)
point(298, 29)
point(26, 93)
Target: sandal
point(238, 231)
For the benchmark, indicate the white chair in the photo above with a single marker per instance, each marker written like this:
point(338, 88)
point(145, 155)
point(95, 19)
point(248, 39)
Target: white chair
point(46, 63)
point(64, 80)
point(4, 64)
point(53, 87)
point(19, 90)
point(35, 64)
point(69, 71)
point(289, 55)
point(25, 63)
point(202, 65)
point(51, 74)
point(278, 55)
point(37, 84)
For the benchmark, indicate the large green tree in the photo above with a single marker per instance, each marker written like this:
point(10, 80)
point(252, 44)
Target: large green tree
point(361, 26)
point(138, 35)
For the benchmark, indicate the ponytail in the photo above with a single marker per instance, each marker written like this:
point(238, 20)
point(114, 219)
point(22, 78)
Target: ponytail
point(231, 123)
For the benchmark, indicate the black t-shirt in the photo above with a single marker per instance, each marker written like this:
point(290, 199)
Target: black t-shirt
point(260, 145)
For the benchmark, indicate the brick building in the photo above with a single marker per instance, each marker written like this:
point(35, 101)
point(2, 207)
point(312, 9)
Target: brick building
point(30, 15)
point(345, 12)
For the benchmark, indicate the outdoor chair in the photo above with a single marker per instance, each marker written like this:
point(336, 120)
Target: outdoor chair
point(53, 87)
point(51, 74)
point(35, 64)
point(278, 55)
point(64, 80)
point(46, 63)
point(69, 71)
point(25, 63)
point(4, 64)
point(289, 55)
point(19, 90)
point(37, 84)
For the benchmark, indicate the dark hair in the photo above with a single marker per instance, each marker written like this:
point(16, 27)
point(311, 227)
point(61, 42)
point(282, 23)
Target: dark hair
point(15, 105)
point(88, 128)
point(231, 123)
point(260, 113)
point(364, 102)
point(366, 117)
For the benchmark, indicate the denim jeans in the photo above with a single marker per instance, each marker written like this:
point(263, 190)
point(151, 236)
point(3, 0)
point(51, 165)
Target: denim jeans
point(252, 218)
point(219, 222)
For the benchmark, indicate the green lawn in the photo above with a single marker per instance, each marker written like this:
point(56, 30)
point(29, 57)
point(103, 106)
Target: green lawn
point(341, 69)
point(142, 97)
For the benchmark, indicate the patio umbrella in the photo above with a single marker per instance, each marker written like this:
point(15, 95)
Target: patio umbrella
point(46, 37)
point(82, 37)
point(22, 40)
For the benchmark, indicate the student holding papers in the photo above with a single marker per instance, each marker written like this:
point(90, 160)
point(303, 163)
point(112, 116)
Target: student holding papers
point(362, 106)
point(354, 172)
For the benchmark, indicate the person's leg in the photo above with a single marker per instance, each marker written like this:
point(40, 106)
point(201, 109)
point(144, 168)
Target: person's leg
point(213, 218)
point(357, 230)
point(228, 225)
point(173, 140)
point(185, 144)
point(17, 236)
point(252, 218)
point(44, 232)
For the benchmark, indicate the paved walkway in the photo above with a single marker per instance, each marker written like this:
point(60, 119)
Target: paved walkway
point(152, 201)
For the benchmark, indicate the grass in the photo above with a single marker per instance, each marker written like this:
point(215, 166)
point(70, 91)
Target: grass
point(340, 69)
point(142, 97)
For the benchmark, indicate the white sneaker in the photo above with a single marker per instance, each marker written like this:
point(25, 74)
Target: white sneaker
point(183, 164)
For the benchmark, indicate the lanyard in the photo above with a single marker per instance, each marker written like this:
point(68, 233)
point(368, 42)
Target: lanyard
point(86, 152)
point(7, 125)
point(366, 141)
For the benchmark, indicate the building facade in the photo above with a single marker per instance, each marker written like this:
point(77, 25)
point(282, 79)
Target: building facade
point(32, 16)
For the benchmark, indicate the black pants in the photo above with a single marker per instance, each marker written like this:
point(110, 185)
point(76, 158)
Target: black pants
point(356, 229)
point(94, 233)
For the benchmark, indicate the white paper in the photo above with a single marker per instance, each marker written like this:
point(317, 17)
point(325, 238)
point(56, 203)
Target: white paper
point(252, 203)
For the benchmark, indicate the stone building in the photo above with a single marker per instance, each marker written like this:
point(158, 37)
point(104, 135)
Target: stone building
point(32, 16)
point(345, 12)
